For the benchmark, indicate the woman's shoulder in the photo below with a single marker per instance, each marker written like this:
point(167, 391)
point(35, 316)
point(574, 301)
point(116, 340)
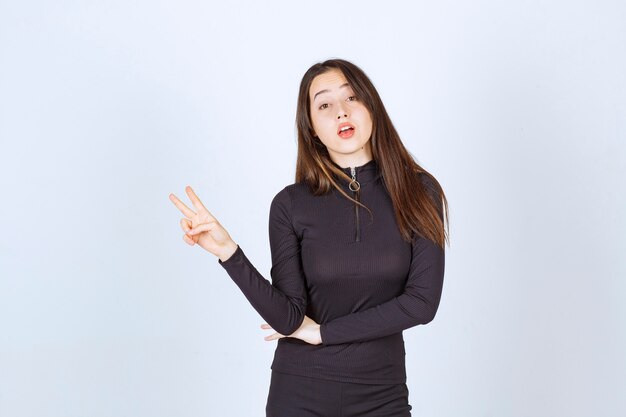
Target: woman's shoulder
point(429, 182)
point(289, 193)
point(291, 190)
point(433, 189)
point(294, 190)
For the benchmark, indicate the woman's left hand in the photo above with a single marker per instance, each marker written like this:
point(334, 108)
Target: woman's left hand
point(309, 331)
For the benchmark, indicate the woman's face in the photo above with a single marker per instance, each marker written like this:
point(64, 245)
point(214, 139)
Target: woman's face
point(334, 105)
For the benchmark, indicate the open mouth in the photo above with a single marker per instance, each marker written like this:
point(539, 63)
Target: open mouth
point(346, 131)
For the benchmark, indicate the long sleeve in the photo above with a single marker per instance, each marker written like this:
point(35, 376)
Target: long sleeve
point(282, 303)
point(417, 304)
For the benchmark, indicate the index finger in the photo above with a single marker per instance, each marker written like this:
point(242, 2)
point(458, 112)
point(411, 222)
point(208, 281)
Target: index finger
point(182, 207)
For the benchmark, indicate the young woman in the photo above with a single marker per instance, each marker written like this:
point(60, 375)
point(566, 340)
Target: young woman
point(357, 244)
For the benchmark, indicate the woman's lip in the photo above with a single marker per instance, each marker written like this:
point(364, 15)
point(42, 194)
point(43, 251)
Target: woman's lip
point(342, 125)
point(347, 134)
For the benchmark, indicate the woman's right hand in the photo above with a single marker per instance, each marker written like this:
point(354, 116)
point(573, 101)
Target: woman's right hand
point(202, 228)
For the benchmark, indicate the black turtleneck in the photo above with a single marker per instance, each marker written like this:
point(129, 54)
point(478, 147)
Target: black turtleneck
point(348, 271)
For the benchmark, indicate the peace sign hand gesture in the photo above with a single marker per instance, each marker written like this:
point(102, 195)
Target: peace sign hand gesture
point(202, 228)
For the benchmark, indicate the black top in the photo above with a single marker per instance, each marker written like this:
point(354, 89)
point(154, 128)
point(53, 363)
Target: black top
point(351, 273)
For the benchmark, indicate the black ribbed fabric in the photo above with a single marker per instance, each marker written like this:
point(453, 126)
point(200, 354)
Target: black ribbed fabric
point(360, 281)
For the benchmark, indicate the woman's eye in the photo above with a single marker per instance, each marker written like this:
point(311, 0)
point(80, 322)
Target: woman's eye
point(325, 105)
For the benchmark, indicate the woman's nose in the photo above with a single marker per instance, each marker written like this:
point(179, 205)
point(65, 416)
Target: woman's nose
point(341, 111)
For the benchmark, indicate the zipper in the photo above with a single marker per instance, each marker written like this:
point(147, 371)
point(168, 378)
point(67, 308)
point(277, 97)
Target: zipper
point(355, 187)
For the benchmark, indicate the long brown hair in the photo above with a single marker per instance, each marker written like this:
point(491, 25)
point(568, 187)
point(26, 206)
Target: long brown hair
point(417, 207)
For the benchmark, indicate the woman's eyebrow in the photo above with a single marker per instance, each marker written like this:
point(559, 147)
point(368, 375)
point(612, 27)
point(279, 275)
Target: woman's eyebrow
point(326, 91)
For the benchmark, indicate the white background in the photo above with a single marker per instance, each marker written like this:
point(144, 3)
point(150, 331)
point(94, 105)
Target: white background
point(518, 108)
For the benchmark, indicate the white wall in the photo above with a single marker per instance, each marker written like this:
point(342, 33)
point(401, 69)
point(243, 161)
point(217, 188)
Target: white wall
point(518, 108)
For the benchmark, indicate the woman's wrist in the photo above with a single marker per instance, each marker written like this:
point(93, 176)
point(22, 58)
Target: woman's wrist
point(230, 248)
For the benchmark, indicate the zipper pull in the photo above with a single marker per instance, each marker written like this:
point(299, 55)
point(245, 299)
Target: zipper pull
point(356, 186)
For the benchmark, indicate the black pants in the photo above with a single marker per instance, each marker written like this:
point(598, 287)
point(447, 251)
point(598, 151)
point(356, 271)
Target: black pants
point(301, 396)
